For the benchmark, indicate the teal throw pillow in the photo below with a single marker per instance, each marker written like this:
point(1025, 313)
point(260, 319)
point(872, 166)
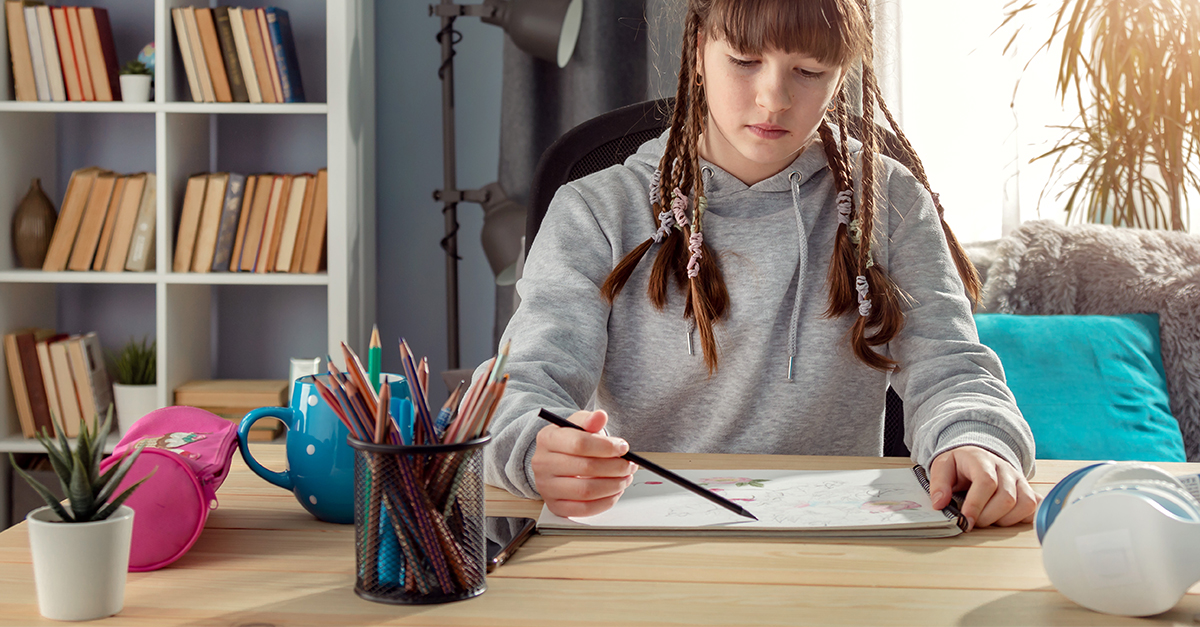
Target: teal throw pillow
point(1091, 387)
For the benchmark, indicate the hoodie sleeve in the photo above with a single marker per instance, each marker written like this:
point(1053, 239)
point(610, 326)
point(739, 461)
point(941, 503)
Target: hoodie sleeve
point(952, 385)
point(559, 334)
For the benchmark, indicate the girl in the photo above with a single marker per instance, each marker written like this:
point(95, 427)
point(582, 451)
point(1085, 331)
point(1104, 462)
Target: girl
point(750, 282)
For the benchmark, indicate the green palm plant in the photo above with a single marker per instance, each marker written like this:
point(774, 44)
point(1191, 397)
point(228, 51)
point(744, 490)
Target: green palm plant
point(1132, 68)
point(135, 363)
point(88, 490)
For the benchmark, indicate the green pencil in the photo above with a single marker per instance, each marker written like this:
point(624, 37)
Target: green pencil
point(374, 358)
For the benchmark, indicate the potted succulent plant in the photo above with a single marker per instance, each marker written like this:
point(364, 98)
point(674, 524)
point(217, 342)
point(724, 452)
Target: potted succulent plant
point(135, 82)
point(134, 376)
point(81, 549)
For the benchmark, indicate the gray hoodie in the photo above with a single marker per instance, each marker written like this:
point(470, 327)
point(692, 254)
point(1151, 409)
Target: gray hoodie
point(773, 241)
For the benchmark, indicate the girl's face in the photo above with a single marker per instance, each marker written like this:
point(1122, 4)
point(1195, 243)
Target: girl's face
point(762, 109)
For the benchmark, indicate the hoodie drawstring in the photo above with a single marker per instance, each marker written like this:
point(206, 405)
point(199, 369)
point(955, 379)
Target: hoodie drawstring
point(802, 239)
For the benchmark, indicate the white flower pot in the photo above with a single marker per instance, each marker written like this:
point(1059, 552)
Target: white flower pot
point(79, 569)
point(135, 87)
point(133, 402)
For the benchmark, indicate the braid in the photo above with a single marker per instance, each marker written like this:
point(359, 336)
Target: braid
point(841, 267)
point(668, 174)
point(879, 303)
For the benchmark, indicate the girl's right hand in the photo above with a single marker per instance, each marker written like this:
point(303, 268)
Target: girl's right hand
point(581, 473)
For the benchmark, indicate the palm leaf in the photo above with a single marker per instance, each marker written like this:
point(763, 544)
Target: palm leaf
point(112, 506)
point(116, 473)
point(42, 491)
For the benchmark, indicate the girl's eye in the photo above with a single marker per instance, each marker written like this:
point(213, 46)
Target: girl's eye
point(741, 62)
point(810, 74)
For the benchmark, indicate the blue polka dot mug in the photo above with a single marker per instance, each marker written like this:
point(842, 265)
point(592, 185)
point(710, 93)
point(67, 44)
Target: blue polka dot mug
point(320, 463)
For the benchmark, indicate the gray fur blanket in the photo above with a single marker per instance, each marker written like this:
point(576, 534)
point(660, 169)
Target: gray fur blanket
point(1046, 268)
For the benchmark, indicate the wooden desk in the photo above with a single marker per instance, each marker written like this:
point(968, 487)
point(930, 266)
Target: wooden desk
point(263, 560)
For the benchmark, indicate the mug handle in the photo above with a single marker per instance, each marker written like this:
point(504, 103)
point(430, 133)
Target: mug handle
point(285, 415)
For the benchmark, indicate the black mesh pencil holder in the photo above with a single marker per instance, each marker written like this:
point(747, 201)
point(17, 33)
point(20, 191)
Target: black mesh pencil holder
point(419, 522)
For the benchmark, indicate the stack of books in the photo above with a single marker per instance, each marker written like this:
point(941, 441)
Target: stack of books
point(238, 55)
point(232, 399)
point(59, 374)
point(61, 53)
point(106, 223)
point(258, 223)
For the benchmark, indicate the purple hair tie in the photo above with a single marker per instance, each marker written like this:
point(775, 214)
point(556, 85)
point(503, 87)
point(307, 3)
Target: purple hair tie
point(665, 221)
point(679, 203)
point(845, 200)
point(695, 244)
point(864, 303)
point(655, 187)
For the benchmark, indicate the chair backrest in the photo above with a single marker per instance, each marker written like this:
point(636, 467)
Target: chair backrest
point(610, 138)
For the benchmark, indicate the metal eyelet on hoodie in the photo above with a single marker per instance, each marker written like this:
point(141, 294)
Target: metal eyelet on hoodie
point(802, 239)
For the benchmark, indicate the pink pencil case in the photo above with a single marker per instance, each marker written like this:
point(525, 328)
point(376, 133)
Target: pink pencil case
point(189, 450)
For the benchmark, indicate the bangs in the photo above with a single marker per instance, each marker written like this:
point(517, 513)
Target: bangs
point(830, 31)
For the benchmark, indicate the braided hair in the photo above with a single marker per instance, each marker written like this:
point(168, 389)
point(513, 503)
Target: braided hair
point(836, 32)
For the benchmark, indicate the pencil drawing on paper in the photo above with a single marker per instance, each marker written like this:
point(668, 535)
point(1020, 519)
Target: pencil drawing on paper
point(859, 498)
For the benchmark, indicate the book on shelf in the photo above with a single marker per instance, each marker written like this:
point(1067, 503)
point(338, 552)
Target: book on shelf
point(142, 245)
point(212, 54)
point(126, 215)
point(245, 57)
point(24, 373)
point(110, 223)
point(258, 52)
point(198, 55)
point(185, 55)
point(229, 54)
point(210, 222)
point(101, 53)
point(66, 54)
point(81, 60)
point(79, 189)
point(255, 224)
point(92, 221)
point(47, 368)
point(264, 32)
point(232, 399)
point(290, 223)
point(273, 228)
point(18, 50)
point(54, 71)
point(68, 398)
point(90, 377)
point(189, 222)
point(301, 238)
point(235, 252)
point(41, 80)
point(314, 248)
point(218, 261)
point(888, 502)
point(284, 47)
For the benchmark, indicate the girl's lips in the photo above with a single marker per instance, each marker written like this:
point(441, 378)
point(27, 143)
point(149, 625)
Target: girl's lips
point(767, 131)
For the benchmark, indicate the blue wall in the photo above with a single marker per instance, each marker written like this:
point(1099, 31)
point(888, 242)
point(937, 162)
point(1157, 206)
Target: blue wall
point(411, 291)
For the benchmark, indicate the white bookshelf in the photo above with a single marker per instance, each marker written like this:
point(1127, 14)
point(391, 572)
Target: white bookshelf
point(174, 137)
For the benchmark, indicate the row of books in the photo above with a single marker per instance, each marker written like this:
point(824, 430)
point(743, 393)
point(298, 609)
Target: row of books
point(232, 399)
point(106, 223)
point(257, 223)
point(232, 54)
point(59, 374)
point(61, 53)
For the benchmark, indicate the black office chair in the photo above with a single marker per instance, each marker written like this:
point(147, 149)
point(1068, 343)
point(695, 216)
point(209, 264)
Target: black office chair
point(610, 138)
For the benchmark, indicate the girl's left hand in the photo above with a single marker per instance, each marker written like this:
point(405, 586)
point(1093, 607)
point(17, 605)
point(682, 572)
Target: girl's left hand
point(997, 493)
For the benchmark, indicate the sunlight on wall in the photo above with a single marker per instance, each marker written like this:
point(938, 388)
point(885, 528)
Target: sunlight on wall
point(957, 105)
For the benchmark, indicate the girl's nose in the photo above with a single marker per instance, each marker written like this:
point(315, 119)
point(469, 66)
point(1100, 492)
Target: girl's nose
point(773, 94)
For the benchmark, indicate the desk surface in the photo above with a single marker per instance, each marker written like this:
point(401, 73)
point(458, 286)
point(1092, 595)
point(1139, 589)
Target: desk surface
point(263, 560)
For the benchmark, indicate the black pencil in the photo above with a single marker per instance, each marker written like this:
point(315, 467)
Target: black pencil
point(660, 471)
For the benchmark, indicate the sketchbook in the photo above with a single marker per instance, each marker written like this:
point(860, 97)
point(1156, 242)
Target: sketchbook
point(892, 502)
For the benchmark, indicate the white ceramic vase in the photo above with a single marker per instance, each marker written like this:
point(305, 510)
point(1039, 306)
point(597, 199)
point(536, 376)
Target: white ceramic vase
point(133, 402)
point(135, 87)
point(79, 569)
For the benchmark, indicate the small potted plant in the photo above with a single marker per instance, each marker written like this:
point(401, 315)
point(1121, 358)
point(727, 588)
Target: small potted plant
point(134, 378)
point(135, 82)
point(81, 549)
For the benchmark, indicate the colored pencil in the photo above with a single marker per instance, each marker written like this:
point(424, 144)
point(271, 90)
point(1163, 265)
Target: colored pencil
point(374, 358)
